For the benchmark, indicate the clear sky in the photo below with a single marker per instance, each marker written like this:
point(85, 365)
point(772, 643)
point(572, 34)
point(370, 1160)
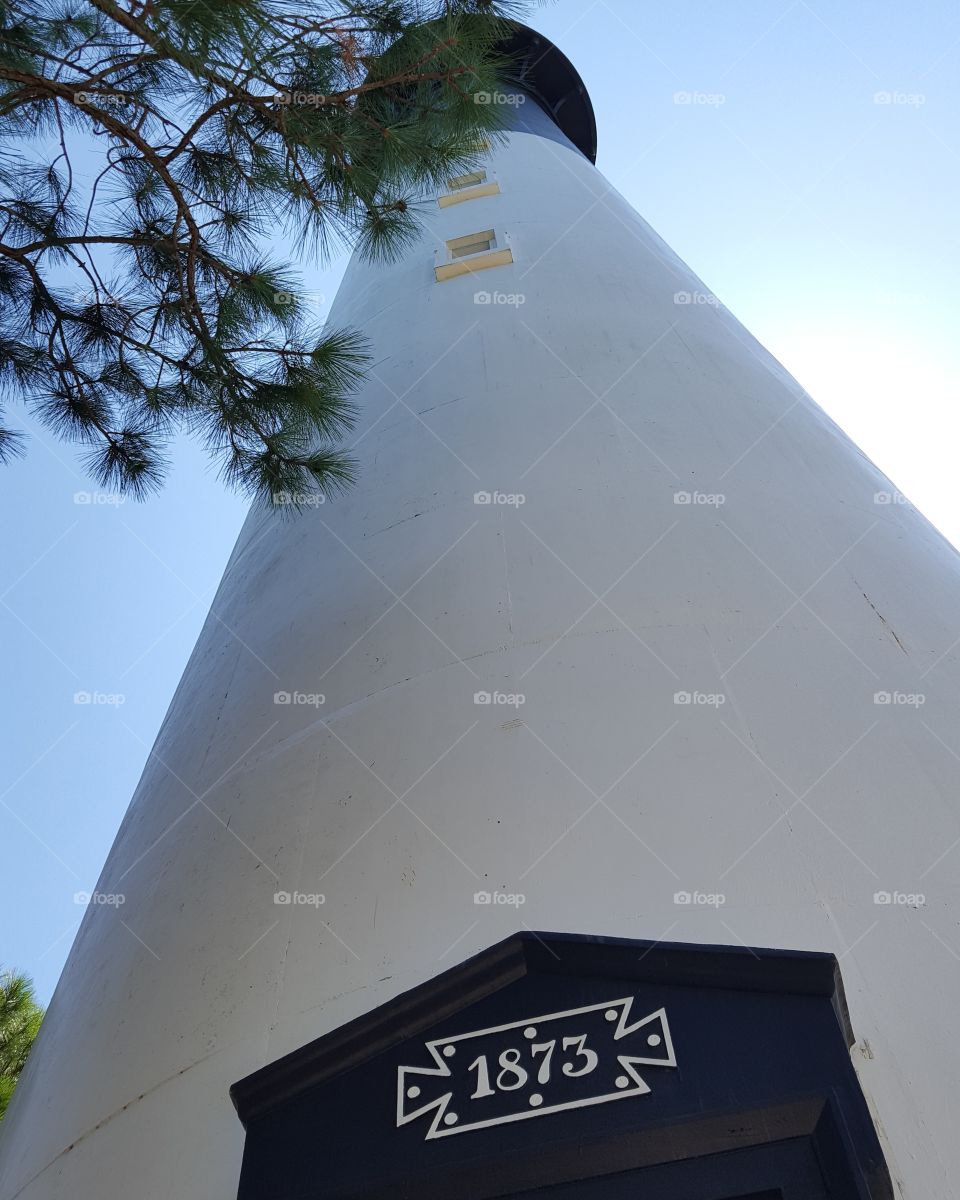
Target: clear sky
point(802, 157)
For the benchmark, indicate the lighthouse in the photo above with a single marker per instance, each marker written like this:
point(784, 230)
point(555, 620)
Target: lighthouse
point(574, 804)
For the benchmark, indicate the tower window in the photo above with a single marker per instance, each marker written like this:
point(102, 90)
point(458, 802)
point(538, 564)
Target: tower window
point(468, 187)
point(473, 252)
point(464, 181)
point(472, 243)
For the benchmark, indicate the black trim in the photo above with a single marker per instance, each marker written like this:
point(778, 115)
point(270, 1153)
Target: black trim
point(813, 1120)
point(801, 972)
point(553, 81)
point(762, 1094)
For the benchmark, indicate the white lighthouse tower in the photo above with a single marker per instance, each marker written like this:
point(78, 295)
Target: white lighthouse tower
point(618, 634)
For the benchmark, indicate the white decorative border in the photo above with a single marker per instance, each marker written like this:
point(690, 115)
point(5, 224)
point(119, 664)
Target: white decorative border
point(442, 1070)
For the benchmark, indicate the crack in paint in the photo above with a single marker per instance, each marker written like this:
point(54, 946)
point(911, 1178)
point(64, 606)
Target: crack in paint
point(883, 620)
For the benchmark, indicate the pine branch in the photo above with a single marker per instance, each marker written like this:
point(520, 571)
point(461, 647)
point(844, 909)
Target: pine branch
point(181, 324)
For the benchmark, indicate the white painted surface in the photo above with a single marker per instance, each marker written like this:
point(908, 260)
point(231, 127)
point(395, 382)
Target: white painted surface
point(599, 398)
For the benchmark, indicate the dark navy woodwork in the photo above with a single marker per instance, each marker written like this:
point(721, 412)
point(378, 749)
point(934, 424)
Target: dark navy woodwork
point(574, 1066)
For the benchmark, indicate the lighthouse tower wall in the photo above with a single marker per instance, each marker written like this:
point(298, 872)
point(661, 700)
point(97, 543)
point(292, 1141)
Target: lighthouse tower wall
point(604, 633)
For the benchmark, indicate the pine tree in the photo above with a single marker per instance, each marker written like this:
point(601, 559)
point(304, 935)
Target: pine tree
point(141, 302)
point(20, 1018)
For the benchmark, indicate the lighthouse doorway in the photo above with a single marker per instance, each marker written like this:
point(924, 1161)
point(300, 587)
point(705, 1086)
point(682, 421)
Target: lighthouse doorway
point(559, 1066)
point(789, 1171)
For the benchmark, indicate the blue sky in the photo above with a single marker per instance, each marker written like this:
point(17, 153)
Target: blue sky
point(804, 159)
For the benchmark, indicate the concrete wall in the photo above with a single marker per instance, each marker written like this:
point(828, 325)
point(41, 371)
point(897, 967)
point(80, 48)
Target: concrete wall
point(600, 398)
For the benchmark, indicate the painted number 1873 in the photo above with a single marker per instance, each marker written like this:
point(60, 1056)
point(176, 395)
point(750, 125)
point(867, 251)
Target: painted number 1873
point(574, 1058)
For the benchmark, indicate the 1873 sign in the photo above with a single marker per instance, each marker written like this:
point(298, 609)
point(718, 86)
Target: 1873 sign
point(734, 1064)
point(534, 1066)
